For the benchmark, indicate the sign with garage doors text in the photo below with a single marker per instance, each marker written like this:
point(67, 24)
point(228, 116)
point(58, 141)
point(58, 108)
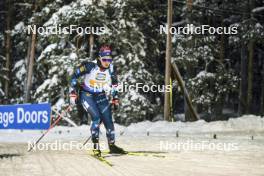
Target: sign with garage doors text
point(25, 116)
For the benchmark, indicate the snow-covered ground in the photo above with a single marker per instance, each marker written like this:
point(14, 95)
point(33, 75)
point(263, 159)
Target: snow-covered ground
point(233, 147)
point(240, 127)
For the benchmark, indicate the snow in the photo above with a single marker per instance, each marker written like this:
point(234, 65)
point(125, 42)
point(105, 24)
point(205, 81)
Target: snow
point(86, 2)
point(43, 86)
point(46, 10)
point(20, 26)
point(59, 104)
point(18, 64)
point(244, 124)
point(47, 85)
point(54, 81)
point(258, 9)
point(48, 49)
point(73, 56)
point(19, 69)
point(204, 74)
point(2, 93)
point(63, 11)
point(191, 155)
point(57, 133)
point(178, 23)
point(19, 74)
point(53, 70)
point(142, 52)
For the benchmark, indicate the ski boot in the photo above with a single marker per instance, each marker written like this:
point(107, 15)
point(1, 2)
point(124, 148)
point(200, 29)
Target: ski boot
point(96, 150)
point(115, 149)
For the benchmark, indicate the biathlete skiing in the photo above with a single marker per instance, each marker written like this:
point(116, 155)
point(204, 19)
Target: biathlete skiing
point(98, 75)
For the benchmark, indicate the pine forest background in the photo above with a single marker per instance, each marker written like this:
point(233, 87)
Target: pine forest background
point(224, 74)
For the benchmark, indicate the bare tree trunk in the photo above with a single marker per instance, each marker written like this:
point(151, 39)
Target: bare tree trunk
point(217, 109)
point(250, 65)
point(187, 98)
point(222, 43)
point(250, 76)
point(30, 64)
point(188, 111)
point(91, 45)
point(8, 48)
point(27, 58)
point(262, 88)
point(243, 82)
point(78, 43)
point(30, 68)
point(168, 63)
point(189, 4)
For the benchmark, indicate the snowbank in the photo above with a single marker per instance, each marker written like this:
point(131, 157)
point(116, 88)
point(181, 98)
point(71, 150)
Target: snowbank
point(245, 123)
point(248, 123)
point(63, 133)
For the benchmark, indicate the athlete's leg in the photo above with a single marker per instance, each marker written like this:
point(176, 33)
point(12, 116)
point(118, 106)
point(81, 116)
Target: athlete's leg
point(106, 116)
point(89, 104)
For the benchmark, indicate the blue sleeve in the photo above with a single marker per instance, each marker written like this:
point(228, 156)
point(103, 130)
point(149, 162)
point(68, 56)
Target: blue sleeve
point(84, 68)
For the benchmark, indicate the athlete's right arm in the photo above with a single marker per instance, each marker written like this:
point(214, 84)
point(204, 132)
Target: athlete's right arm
point(84, 68)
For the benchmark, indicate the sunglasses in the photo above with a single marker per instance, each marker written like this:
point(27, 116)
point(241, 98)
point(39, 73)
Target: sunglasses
point(107, 59)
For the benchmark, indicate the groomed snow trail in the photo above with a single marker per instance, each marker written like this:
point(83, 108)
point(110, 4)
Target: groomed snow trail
point(246, 159)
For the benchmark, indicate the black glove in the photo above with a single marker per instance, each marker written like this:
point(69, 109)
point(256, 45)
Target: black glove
point(115, 103)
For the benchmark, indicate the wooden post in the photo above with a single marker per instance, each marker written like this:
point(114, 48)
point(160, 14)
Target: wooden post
point(171, 102)
point(243, 81)
point(31, 60)
point(189, 5)
point(91, 44)
point(262, 88)
point(186, 94)
point(222, 43)
point(250, 65)
point(250, 76)
point(27, 63)
point(168, 63)
point(30, 67)
point(8, 49)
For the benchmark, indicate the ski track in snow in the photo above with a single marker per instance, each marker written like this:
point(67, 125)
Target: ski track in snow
point(246, 133)
point(248, 159)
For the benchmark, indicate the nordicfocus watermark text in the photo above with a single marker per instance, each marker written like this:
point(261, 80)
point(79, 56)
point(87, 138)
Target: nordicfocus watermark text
point(191, 145)
point(58, 30)
point(190, 29)
point(59, 145)
point(138, 87)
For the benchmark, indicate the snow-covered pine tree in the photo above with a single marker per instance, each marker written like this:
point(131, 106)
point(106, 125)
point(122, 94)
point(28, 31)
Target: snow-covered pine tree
point(58, 54)
point(208, 78)
point(21, 41)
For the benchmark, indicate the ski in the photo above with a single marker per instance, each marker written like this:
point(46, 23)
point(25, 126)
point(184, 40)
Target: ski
point(100, 158)
point(134, 153)
point(106, 153)
point(146, 154)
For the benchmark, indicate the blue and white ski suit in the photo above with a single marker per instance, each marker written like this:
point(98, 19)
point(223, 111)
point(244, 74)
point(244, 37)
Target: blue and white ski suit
point(93, 97)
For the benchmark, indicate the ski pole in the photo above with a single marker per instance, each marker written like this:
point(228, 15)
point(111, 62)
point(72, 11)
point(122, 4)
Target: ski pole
point(85, 142)
point(65, 118)
point(54, 123)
